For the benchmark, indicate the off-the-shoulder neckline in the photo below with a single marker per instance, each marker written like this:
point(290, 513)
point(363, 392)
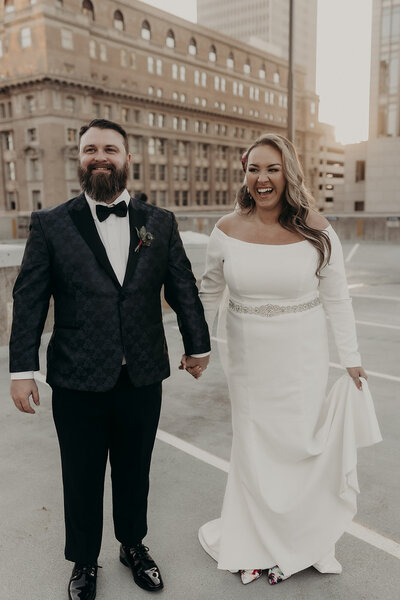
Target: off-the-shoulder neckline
point(257, 244)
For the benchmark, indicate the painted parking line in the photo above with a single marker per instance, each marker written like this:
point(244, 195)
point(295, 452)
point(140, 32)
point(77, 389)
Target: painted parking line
point(357, 530)
point(376, 297)
point(352, 253)
point(371, 324)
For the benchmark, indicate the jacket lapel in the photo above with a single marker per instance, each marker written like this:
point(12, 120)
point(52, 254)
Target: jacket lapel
point(82, 217)
point(136, 220)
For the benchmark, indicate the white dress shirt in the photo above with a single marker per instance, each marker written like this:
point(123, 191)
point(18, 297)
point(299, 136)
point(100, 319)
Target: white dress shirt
point(114, 233)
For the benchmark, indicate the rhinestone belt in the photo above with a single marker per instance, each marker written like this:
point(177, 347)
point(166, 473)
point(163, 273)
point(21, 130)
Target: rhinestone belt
point(272, 310)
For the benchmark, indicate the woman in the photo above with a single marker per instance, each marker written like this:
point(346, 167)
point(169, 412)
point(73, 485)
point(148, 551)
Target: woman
point(292, 484)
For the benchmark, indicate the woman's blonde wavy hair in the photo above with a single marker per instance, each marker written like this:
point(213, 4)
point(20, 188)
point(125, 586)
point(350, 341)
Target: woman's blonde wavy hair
point(297, 199)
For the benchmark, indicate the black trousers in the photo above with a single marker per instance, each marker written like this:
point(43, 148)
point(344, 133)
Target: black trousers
point(91, 426)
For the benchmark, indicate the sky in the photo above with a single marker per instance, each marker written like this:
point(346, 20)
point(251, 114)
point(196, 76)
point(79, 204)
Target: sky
point(343, 61)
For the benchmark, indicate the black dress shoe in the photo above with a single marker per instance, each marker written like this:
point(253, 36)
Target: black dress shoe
point(82, 585)
point(144, 570)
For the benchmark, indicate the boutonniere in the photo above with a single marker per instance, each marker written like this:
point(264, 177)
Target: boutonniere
point(145, 237)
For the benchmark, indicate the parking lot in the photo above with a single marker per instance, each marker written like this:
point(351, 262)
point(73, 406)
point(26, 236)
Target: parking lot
point(189, 474)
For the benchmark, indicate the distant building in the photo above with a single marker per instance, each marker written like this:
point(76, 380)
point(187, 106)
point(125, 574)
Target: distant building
point(372, 179)
point(191, 101)
point(265, 24)
point(331, 171)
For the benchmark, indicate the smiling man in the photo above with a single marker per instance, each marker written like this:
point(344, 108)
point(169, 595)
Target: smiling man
point(104, 258)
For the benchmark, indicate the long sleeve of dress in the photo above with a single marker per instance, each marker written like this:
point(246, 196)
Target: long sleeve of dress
point(336, 300)
point(213, 282)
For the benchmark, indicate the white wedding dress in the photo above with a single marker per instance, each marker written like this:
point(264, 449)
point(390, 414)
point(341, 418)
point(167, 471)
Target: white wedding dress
point(292, 483)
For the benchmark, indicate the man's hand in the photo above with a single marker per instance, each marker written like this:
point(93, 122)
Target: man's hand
point(194, 366)
point(21, 391)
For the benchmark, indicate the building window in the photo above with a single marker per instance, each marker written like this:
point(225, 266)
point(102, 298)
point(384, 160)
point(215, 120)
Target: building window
point(30, 104)
point(170, 39)
point(312, 108)
point(9, 7)
point(36, 199)
point(67, 40)
point(159, 66)
point(70, 104)
point(360, 170)
point(136, 171)
point(9, 140)
point(161, 120)
point(146, 31)
point(119, 20)
point(192, 47)
point(246, 67)
point(103, 52)
point(197, 77)
point(26, 37)
point(175, 122)
point(182, 73)
point(276, 77)
point(150, 64)
point(135, 144)
point(152, 119)
point(161, 172)
point(87, 9)
point(175, 96)
point(230, 61)
point(359, 205)
point(216, 82)
point(150, 90)
point(93, 49)
point(204, 79)
point(34, 169)
point(176, 173)
point(72, 135)
point(96, 110)
point(10, 166)
point(107, 111)
point(31, 135)
point(261, 72)
point(124, 114)
point(174, 71)
point(184, 124)
point(183, 97)
point(212, 54)
point(72, 168)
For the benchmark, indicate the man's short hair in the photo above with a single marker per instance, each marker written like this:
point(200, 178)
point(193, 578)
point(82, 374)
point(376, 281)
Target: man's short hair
point(105, 124)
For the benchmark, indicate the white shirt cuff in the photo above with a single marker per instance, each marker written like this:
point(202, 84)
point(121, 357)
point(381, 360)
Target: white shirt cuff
point(201, 355)
point(23, 375)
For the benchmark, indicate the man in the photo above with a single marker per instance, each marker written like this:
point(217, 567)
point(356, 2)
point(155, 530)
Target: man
point(104, 258)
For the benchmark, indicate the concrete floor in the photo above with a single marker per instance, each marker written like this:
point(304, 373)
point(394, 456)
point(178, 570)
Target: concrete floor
point(186, 491)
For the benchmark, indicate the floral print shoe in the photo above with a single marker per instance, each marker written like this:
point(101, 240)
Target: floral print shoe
point(275, 575)
point(249, 575)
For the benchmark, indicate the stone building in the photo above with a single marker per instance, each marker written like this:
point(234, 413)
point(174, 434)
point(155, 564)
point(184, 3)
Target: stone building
point(190, 99)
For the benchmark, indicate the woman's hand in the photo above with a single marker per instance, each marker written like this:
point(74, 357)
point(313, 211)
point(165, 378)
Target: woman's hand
point(355, 373)
point(194, 366)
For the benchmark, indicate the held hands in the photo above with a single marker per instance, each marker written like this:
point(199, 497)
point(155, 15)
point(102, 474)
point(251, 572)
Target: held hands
point(21, 391)
point(194, 366)
point(355, 373)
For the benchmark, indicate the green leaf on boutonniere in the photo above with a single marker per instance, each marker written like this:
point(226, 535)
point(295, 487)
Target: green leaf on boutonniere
point(145, 237)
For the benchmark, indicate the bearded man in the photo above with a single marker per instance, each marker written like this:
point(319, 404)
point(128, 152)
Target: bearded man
point(104, 258)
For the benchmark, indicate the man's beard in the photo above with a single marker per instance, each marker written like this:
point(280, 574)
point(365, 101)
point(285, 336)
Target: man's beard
point(103, 187)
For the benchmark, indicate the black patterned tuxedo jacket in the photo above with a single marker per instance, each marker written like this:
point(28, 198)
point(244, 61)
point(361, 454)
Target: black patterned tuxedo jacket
point(98, 321)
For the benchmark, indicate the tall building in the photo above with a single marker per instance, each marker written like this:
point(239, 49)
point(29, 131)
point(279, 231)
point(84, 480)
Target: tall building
point(372, 177)
point(265, 24)
point(191, 101)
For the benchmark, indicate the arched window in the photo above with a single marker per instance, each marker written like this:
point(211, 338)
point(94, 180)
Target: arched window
point(146, 31)
point(276, 77)
point(246, 67)
point(261, 72)
point(212, 53)
point(192, 47)
point(87, 9)
point(170, 39)
point(119, 20)
point(9, 6)
point(230, 61)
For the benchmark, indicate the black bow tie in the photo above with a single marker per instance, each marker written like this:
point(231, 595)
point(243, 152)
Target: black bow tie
point(103, 212)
